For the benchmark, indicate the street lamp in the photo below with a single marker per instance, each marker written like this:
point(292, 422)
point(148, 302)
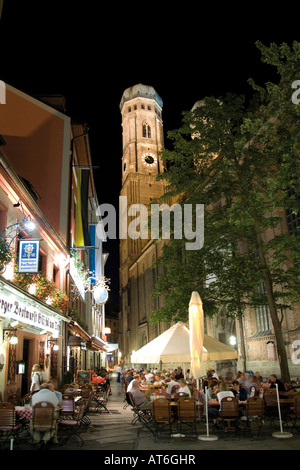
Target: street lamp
point(9, 335)
point(25, 224)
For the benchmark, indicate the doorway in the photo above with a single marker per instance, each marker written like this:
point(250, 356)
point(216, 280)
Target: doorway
point(25, 377)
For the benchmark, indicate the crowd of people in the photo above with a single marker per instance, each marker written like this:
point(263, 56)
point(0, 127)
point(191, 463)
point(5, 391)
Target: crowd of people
point(242, 385)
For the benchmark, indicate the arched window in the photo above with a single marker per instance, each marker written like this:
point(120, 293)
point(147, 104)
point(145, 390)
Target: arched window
point(146, 130)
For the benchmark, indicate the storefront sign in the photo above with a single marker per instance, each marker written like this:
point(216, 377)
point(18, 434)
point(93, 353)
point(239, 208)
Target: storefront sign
point(13, 309)
point(29, 256)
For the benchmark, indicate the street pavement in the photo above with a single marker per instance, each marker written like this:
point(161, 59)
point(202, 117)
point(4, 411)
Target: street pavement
point(114, 437)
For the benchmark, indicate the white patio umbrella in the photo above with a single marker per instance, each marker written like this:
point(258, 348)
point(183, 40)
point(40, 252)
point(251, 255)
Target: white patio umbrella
point(196, 326)
point(173, 346)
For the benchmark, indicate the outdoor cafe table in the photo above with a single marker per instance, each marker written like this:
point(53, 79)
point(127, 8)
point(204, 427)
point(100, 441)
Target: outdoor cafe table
point(24, 412)
point(27, 414)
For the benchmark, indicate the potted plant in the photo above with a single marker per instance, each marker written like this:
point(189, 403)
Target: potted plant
point(6, 254)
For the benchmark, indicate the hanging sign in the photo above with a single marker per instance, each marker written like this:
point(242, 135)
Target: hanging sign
point(29, 256)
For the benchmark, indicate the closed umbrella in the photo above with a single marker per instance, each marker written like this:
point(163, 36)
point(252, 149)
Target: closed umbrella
point(196, 327)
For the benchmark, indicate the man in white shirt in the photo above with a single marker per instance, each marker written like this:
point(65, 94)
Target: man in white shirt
point(45, 395)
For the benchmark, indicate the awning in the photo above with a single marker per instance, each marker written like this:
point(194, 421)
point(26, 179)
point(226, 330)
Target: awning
point(78, 329)
point(98, 344)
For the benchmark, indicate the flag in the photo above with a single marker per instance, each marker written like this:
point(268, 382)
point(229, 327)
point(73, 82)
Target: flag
point(95, 255)
point(79, 240)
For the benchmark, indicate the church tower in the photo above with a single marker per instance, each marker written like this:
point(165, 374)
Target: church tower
point(141, 110)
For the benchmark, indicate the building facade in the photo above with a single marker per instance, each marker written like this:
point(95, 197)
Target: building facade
point(253, 335)
point(142, 127)
point(46, 177)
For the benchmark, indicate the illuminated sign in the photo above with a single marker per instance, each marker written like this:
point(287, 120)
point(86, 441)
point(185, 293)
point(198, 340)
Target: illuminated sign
point(29, 256)
point(14, 308)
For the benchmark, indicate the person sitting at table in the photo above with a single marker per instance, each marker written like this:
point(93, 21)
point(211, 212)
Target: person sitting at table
point(224, 391)
point(149, 376)
point(281, 388)
point(239, 390)
point(45, 394)
point(178, 374)
point(258, 378)
point(171, 384)
point(57, 393)
point(139, 397)
point(212, 391)
point(183, 388)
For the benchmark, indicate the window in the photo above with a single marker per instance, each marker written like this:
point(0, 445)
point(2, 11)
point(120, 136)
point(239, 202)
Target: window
point(262, 314)
point(146, 131)
point(293, 219)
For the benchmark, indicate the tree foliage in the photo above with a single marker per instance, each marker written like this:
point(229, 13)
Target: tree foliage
point(240, 158)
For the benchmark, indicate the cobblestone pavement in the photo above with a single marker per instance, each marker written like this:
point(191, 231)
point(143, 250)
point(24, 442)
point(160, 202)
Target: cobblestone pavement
point(113, 435)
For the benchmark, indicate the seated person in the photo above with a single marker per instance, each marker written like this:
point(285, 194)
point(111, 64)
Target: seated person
point(183, 388)
point(238, 388)
point(47, 395)
point(224, 392)
point(139, 397)
point(274, 380)
point(171, 384)
point(52, 388)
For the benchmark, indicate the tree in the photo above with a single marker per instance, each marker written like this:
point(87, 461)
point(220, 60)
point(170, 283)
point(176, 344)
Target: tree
point(240, 158)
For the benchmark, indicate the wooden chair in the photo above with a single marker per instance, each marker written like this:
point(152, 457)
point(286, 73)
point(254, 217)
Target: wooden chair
point(98, 403)
point(43, 421)
point(229, 414)
point(10, 427)
point(141, 416)
point(271, 405)
point(67, 407)
point(71, 428)
point(162, 417)
point(187, 413)
point(294, 414)
point(14, 397)
point(254, 413)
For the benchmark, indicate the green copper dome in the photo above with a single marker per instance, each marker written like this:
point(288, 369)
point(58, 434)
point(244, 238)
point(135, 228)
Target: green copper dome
point(143, 91)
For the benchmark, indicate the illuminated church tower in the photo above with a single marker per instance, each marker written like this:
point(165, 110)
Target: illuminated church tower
point(141, 109)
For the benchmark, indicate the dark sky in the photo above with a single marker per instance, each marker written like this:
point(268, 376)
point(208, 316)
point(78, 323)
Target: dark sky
point(91, 55)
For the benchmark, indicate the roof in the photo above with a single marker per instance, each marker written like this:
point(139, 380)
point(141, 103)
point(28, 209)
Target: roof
point(140, 90)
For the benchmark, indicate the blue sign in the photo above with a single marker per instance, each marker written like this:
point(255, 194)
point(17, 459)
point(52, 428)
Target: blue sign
point(29, 256)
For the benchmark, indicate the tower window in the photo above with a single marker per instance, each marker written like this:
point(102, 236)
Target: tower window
point(143, 106)
point(129, 109)
point(146, 131)
point(149, 108)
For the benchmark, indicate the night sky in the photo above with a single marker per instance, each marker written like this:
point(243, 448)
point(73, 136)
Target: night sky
point(91, 55)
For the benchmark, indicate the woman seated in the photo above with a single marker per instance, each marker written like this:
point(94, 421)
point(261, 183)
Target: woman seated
point(183, 387)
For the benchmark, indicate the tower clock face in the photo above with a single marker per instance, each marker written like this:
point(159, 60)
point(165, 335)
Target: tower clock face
point(149, 159)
